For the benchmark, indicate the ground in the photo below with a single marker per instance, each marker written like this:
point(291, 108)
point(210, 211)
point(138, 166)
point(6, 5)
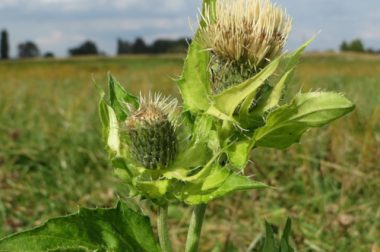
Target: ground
point(52, 159)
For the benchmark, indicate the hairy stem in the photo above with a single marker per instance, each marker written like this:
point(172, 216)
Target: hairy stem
point(163, 232)
point(195, 228)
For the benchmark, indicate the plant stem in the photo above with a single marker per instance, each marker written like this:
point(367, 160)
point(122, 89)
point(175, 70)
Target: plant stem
point(195, 228)
point(163, 232)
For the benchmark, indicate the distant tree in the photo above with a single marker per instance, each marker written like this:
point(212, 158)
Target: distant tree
point(28, 49)
point(49, 55)
point(139, 47)
point(357, 46)
point(87, 48)
point(4, 41)
point(354, 46)
point(344, 46)
point(180, 46)
point(159, 46)
point(123, 47)
point(169, 46)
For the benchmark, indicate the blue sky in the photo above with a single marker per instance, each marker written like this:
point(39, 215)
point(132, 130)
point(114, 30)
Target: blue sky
point(57, 25)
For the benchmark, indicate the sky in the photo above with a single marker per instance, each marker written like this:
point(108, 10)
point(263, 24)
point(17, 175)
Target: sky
point(57, 25)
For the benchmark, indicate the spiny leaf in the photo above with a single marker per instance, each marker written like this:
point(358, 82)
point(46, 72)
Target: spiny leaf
point(115, 229)
point(110, 126)
point(291, 60)
point(270, 244)
point(284, 244)
point(154, 189)
point(277, 92)
point(272, 95)
point(113, 141)
point(238, 153)
point(285, 125)
point(230, 99)
point(194, 84)
point(232, 184)
point(104, 117)
point(119, 97)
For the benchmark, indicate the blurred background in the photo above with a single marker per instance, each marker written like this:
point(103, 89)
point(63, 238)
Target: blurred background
point(52, 159)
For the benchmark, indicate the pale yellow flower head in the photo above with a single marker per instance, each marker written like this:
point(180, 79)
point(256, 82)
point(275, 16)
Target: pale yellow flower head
point(253, 31)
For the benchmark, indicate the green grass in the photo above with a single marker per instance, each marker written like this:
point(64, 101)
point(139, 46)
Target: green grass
point(52, 158)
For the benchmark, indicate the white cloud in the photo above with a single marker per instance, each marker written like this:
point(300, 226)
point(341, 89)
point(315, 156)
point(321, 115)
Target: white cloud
point(371, 34)
point(141, 23)
point(57, 38)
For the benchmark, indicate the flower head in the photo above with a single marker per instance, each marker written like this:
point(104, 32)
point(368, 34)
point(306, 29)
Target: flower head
point(252, 31)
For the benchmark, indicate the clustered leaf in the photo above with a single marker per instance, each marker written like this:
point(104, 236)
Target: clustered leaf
point(194, 176)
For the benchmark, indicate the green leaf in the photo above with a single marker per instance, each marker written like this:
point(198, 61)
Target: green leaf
point(319, 108)
point(284, 244)
point(121, 164)
point(204, 172)
point(238, 153)
point(217, 176)
point(291, 60)
point(208, 5)
point(270, 96)
point(194, 84)
point(277, 92)
point(230, 99)
point(104, 118)
point(154, 189)
point(285, 125)
point(196, 155)
point(115, 229)
point(113, 141)
point(270, 243)
point(214, 111)
point(252, 117)
point(119, 97)
point(110, 126)
point(232, 184)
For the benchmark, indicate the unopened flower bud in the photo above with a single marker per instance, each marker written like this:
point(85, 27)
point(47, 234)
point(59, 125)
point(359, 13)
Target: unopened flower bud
point(152, 137)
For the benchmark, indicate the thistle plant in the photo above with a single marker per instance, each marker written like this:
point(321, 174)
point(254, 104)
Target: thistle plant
point(232, 87)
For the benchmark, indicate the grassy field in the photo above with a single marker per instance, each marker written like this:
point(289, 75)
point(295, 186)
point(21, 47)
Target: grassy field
point(52, 159)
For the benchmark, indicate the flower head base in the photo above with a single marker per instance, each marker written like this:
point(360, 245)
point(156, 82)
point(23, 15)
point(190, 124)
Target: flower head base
point(151, 133)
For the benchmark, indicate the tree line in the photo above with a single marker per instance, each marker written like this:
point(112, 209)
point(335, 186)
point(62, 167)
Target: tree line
point(30, 49)
point(357, 46)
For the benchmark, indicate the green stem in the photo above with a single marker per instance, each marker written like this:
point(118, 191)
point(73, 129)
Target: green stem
point(163, 232)
point(195, 228)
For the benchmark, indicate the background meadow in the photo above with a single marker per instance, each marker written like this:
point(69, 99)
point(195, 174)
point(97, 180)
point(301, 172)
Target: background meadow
point(52, 159)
